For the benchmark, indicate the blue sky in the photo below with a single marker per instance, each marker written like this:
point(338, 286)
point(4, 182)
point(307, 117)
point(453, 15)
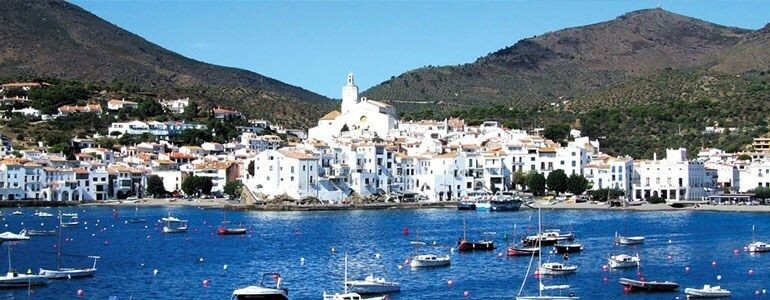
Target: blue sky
point(314, 44)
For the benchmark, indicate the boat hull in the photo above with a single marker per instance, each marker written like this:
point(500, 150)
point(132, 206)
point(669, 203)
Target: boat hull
point(547, 271)
point(572, 248)
point(693, 293)
point(428, 262)
point(22, 281)
point(67, 273)
point(174, 230)
point(231, 231)
point(465, 246)
point(505, 205)
point(547, 298)
point(466, 206)
point(648, 286)
point(365, 288)
point(511, 251)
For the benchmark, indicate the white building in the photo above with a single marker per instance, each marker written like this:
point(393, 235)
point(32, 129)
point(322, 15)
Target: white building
point(175, 106)
point(115, 104)
point(673, 178)
point(288, 171)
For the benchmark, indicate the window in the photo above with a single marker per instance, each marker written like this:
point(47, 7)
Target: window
point(291, 179)
point(292, 169)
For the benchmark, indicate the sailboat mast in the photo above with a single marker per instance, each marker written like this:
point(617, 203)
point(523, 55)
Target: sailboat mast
point(345, 283)
point(9, 258)
point(540, 246)
point(464, 239)
point(58, 249)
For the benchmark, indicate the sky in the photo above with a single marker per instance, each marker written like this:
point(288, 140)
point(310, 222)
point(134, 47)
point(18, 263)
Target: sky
point(315, 44)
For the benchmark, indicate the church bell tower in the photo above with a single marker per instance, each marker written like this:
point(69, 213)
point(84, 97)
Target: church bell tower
point(349, 95)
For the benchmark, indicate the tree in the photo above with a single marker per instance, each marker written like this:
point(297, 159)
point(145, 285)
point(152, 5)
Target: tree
point(602, 195)
point(194, 137)
point(519, 179)
point(762, 193)
point(744, 157)
point(577, 184)
point(155, 186)
point(557, 181)
point(195, 184)
point(556, 132)
point(206, 185)
point(536, 183)
point(233, 189)
point(250, 168)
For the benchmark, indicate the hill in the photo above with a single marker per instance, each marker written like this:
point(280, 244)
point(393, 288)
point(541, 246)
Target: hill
point(53, 38)
point(575, 62)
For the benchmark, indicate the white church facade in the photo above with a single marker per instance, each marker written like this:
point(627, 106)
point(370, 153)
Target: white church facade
point(358, 117)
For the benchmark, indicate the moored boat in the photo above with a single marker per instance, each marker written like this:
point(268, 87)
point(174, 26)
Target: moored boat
point(522, 251)
point(628, 240)
point(10, 236)
point(757, 247)
point(568, 248)
point(17, 213)
point(43, 214)
point(372, 285)
point(553, 268)
point(136, 218)
point(269, 288)
point(222, 230)
point(463, 245)
point(632, 285)
point(347, 295)
point(707, 292)
point(624, 261)
point(429, 260)
point(14, 279)
point(466, 205)
point(33, 232)
point(174, 225)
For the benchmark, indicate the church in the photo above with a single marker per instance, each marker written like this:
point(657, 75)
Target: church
point(358, 118)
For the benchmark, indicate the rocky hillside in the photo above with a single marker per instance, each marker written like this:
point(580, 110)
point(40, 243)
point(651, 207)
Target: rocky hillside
point(53, 38)
point(577, 61)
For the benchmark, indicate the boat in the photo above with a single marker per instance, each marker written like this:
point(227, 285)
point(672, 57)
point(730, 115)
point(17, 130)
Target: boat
point(33, 232)
point(463, 245)
point(136, 218)
point(372, 285)
point(71, 223)
point(269, 288)
point(430, 260)
point(14, 279)
point(542, 288)
point(553, 268)
point(17, 213)
point(568, 248)
point(755, 246)
point(505, 201)
point(628, 240)
point(10, 236)
point(632, 285)
point(466, 205)
point(548, 237)
point(514, 250)
point(174, 225)
point(707, 292)
point(347, 295)
point(225, 230)
point(623, 261)
point(43, 214)
point(67, 273)
point(71, 215)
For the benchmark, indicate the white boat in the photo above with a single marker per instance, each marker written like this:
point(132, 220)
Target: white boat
point(755, 246)
point(71, 215)
point(136, 218)
point(71, 223)
point(10, 236)
point(553, 268)
point(707, 292)
point(174, 225)
point(262, 291)
point(624, 261)
point(628, 240)
point(14, 279)
point(17, 213)
point(542, 287)
point(43, 214)
point(430, 260)
point(347, 295)
point(67, 273)
point(372, 285)
point(33, 232)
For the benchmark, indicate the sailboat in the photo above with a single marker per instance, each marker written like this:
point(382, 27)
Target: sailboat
point(628, 240)
point(16, 279)
point(513, 250)
point(542, 287)
point(136, 218)
point(346, 295)
point(428, 260)
point(67, 273)
point(226, 230)
point(174, 225)
point(755, 246)
point(463, 245)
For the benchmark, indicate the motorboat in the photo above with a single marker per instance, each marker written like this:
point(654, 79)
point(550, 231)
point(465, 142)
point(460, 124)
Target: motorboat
point(33, 232)
point(624, 261)
point(568, 248)
point(17, 213)
point(541, 240)
point(757, 247)
point(522, 251)
point(505, 201)
point(70, 215)
point(222, 230)
point(466, 205)
point(628, 240)
point(10, 236)
point(43, 214)
point(707, 292)
point(269, 288)
point(14, 279)
point(372, 285)
point(174, 225)
point(632, 285)
point(430, 260)
point(554, 268)
point(71, 223)
point(69, 273)
point(543, 289)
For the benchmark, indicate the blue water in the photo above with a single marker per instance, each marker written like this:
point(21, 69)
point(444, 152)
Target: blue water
point(278, 240)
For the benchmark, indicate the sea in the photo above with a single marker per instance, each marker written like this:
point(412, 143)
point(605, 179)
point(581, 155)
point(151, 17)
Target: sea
point(308, 249)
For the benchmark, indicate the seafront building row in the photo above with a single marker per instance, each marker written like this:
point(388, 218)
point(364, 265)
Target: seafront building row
point(364, 151)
